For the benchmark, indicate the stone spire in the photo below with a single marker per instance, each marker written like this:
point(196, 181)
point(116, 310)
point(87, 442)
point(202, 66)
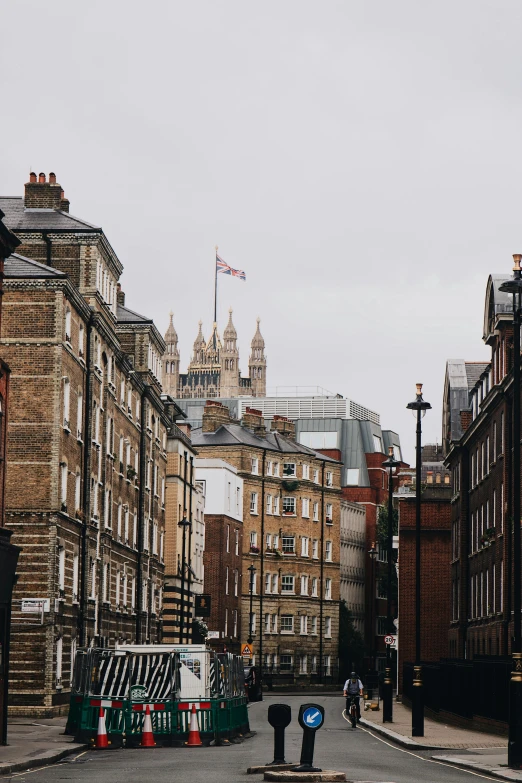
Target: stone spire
point(199, 346)
point(171, 360)
point(257, 364)
point(229, 361)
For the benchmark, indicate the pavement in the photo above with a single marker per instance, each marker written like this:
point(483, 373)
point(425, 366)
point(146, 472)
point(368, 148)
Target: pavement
point(35, 743)
point(371, 753)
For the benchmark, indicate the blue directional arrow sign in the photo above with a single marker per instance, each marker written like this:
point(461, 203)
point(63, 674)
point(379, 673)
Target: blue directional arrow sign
point(312, 718)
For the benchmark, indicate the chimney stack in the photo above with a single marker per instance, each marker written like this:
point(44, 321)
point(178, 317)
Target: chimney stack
point(40, 194)
point(284, 426)
point(120, 295)
point(466, 417)
point(253, 420)
point(215, 414)
point(185, 427)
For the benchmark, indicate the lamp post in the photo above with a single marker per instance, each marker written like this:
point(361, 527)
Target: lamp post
point(514, 286)
point(252, 571)
point(387, 706)
point(419, 406)
point(373, 556)
point(184, 523)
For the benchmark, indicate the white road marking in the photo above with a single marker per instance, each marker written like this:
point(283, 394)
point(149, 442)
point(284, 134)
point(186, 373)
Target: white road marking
point(39, 769)
point(409, 752)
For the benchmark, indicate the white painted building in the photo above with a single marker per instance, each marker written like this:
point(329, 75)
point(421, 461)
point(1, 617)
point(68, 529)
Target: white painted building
point(222, 486)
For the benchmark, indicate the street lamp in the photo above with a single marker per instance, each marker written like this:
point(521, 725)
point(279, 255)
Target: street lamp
point(514, 287)
point(419, 407)
point(252, 571)
point(373, 556)
point(387, 707)
point(184, 523)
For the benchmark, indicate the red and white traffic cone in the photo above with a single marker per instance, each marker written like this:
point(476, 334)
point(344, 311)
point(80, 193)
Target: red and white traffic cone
point(147, 737)
point(194, 740)
point(101, 737)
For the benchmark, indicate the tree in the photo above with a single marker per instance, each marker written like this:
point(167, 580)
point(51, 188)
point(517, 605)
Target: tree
point(382, 539)
point(352, 649)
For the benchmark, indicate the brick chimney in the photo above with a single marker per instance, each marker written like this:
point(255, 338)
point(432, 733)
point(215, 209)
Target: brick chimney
point(284, 426)
point(43, 194)
point(253, 420)
point(120, 295)
point(466, 417)
point(185, 427)
point(215, 414)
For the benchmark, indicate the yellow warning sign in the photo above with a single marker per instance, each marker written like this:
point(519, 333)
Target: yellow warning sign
point(246, 650)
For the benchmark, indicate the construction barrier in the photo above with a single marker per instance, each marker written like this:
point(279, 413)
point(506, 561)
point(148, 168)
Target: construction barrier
point(169, 682)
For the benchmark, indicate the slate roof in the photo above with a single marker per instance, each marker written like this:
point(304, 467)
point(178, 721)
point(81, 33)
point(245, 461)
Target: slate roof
point(20, 219)
point(17, 266)
point(473, 372)
point(126, 316)
point(235, 434)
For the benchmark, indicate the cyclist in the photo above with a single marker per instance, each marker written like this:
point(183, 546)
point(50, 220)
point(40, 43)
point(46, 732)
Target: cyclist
point(353, 687)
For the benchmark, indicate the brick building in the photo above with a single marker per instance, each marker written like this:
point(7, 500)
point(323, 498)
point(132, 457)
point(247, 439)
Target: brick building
point(223, 558)
point(87, 448)
point(435, 574)
point(8, 552)
point(477, 436)
point(351, 433)
point(291, 524)
point(185, 519)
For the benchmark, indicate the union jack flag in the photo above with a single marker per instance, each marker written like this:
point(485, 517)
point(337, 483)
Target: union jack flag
point(225, 269)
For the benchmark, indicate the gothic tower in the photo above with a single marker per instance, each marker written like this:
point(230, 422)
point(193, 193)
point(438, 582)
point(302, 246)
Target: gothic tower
point(229, 361)
point(257, 364)
point(171, 361)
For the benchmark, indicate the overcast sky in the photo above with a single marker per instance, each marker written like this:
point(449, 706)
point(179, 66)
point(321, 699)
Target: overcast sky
point(360, 160)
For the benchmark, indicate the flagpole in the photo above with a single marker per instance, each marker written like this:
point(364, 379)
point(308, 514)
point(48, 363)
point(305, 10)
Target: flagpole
point(215, 286)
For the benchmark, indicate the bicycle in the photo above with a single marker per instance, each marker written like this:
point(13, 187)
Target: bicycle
point(351, 703)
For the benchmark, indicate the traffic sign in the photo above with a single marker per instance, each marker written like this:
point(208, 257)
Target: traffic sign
point(246, 650)
point(311, 716)
point(390, 639)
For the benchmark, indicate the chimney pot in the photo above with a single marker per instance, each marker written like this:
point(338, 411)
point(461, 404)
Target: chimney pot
point(41, 177)
point(52, 178)
point(32, 177)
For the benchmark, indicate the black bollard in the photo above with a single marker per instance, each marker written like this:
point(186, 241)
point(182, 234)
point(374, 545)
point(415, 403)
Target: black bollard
point(279, 716)
point(311, 718)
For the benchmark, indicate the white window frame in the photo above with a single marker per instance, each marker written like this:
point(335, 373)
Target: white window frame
point(288, 584)
point(289, 470)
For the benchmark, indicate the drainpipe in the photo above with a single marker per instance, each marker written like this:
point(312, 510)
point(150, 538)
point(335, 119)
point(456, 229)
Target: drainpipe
point(189, 555)
point(48, 259)
point(86, 495)
point(141, 511)
point(321, 588)
point(262, 575)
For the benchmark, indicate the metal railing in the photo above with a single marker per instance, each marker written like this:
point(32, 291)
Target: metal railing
point(468, 688)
